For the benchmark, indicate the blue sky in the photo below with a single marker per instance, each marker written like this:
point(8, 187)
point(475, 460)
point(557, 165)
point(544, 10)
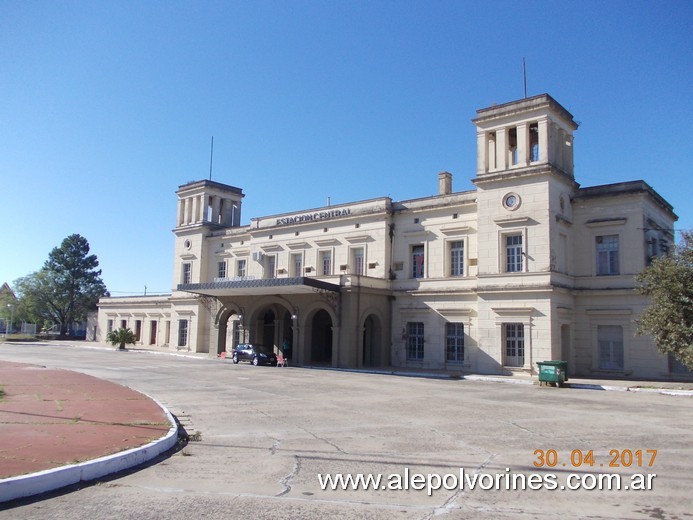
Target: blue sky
point(107, 107)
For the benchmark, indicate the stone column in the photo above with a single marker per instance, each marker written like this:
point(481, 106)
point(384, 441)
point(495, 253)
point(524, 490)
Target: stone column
point(195, 209)
point(502, 149)
point(335, 346)
point(297, 347)
point(543, 128)
point(482, 152)
point(188, 211)
point(181, 212)
point(522, 144)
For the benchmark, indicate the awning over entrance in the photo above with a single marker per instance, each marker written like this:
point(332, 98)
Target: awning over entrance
point(259, 287)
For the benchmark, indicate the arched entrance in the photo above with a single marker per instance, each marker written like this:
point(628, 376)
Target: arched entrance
point(230, 333)
point(271, 327)
point(321, 338)
point(266, 335)
point(372, 348)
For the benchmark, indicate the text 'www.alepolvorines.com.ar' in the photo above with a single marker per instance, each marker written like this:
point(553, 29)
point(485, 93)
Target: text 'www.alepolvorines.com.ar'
point(507, 481)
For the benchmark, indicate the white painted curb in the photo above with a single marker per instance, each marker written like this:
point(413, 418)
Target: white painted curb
point(51, 479)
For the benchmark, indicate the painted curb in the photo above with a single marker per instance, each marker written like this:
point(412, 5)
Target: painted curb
point(49, 480)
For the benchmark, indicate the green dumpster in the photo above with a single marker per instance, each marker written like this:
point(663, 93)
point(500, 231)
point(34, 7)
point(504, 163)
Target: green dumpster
point(553, 372)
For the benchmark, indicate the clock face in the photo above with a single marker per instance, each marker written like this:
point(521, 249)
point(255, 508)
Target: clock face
point(511, 201)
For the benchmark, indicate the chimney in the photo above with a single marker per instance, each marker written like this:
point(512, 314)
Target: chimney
point(444, 183)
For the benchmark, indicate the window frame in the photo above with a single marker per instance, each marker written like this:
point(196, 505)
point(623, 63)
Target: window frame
point(454, 342)
point(270, 266)
point(610, 267)
point(296, 265)
point(357, 260)
point(415, 341)
point(183, 333)
point(605, 342)
point(241, 272)
point(323, 255)
point(417, 250)
point(514, 339)
point(506, 252)
point(186, 273)
point(462, 260)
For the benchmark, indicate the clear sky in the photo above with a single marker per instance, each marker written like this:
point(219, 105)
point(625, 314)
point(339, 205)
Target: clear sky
point(106, 107)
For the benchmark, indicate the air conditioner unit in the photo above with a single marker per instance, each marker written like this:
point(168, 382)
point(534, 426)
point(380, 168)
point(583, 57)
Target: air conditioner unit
point(258, 256)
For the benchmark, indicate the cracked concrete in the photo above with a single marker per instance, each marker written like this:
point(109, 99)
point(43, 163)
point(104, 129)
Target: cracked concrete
point(268, 433)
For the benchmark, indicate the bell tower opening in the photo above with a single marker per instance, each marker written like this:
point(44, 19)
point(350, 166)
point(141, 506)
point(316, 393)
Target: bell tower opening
point(530, 132)
point(209, 203)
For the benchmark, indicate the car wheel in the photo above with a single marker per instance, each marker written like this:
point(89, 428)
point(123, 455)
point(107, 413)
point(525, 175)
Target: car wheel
point(235, 360)
point(256, 361)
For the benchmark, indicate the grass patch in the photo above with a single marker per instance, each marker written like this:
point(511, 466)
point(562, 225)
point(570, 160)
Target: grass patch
point(18, 337)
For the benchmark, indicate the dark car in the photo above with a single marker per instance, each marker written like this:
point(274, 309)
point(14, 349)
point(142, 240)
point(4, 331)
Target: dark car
point(254, 354)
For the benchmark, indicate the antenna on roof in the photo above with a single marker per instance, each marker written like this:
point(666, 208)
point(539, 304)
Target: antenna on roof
point(524, 75)
point(211, 156)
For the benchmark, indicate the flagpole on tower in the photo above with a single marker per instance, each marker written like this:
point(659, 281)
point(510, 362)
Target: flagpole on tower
point(211, 157)
point(524, 75)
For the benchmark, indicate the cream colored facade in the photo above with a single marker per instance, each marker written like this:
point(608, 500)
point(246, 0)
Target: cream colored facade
point(527, 267)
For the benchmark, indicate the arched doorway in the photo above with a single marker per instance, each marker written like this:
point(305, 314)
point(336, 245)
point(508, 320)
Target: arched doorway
point(372, 334)
point(267, 334)
point(321, 338)
point(229, 330)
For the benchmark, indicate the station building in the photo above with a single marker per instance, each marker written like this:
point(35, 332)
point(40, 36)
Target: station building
point(527, 267)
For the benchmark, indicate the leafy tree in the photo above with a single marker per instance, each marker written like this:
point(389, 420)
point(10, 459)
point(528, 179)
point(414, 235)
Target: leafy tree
point(121, 337)
point(669, 318)
point(9, 308)
point(67, 287)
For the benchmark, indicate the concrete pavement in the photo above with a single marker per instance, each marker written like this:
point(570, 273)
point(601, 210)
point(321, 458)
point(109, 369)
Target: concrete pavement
point(64, 418)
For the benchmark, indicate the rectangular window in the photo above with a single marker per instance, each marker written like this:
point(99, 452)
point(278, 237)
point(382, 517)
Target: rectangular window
point(240, 268)
point(222, 269)
point(357, 260)
point(415, 341)
point(610, 338)
point(182, 333)
point(513, 253)
point(187, 272)
point(454, 342)
point(271, 266)
point(109, 326)
point(607, 255)
point(417, 261)
point(153, 325)
point(514, 344)
point(138, 330)
point(457, 258)
point(123, 324)
point(297, 264)
point(326, 262)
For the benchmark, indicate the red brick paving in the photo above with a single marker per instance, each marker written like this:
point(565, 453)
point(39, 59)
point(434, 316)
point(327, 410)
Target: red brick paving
point(50, 418)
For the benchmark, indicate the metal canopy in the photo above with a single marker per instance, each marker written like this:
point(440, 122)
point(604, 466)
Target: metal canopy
point(259, 287)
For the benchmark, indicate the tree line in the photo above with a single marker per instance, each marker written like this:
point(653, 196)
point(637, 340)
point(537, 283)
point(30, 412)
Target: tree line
point(62, 292)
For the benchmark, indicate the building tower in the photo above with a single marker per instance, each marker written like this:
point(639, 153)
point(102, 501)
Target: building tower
point(203, 207)
point(525, 183)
